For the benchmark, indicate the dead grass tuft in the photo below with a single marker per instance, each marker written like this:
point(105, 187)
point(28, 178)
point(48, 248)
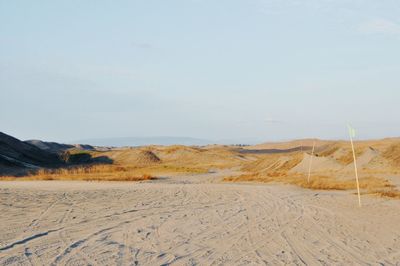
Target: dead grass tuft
point(86, 173)
point(392, 193)
point(393, 154)
point(348, 157)
point(330, 150)
point(288, 165)
point(317, 182)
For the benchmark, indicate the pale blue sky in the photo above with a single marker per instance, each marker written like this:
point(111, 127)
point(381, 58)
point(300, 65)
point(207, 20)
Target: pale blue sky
point(258, 69)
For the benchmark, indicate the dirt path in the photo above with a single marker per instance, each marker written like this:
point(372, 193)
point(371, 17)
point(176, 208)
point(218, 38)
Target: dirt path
point(190, 221)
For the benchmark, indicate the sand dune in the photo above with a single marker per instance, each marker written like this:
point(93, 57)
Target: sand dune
point(319, 164)
point(17, 156)
point(189, 220)
point(188, 215)
point(305, 143)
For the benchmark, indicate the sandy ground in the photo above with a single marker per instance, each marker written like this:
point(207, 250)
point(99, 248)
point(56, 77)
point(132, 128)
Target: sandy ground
point(192, 221)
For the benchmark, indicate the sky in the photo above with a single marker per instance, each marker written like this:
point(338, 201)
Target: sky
point(216, 69)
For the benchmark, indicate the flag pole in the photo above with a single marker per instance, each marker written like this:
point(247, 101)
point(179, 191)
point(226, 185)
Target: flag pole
point(309, 167)
point(355, 165)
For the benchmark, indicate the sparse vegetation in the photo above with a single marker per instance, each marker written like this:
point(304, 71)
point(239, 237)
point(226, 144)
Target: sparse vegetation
point(391, 193)
point(87, 173)
point(317, 182)
point(329, 151)
point(145, 163)
point(393, 154)
point(348, 157)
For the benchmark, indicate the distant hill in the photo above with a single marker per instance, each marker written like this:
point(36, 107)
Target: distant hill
point(57, 147)
point(18, 157)
point(294, 144)
point(145, 141)
point(161, 140)
point(264, 160)
point(49, 146)
point(16, 154)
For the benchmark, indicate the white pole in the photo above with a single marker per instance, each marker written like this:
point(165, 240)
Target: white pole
point(355, 169)
point(309, 167)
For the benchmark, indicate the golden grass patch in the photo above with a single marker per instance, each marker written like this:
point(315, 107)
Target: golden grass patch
point(392, 154)
point(317, 182)
point(86, 173)
point(348, 157)
point(391, 193)
point(329, 150)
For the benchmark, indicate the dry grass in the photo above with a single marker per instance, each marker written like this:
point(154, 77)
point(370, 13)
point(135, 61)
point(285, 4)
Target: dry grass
point(87, 173)
point(288, 165)
point(109, 172)
point(167, 169)
point(180, 148)
point(348, 157)
point(183, 159)
point(330, 150)
point(277, 162)
point(391, 193)
point(137, 164)
point(316, 182)
point(392, 154)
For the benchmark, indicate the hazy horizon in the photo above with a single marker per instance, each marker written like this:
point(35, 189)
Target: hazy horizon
point(183, 140)
point(266, 70)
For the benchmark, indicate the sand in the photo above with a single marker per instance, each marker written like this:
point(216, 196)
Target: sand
point(192, 220)
point(319, 164)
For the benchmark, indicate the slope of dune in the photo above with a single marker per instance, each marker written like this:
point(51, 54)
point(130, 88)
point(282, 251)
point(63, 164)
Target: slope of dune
point(304, 143)
point(49, 146)
point(177, 156)
point(364, 160)
point(147, 158)
point(20, 155)
point(331, 159)
point(131, 156)
point(392, 154)
point(319, 164)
